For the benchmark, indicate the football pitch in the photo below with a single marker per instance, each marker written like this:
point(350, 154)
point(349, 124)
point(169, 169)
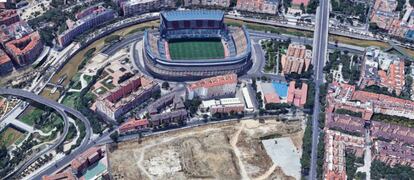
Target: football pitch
point(196, 49)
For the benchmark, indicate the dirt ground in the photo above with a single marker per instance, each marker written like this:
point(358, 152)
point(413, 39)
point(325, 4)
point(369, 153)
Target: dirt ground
point(231, 150)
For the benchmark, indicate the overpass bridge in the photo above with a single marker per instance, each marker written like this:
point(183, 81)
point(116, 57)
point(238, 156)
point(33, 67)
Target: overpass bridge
point(59, 108)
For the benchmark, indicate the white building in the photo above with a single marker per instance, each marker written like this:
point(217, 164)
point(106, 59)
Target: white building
point(214, 87)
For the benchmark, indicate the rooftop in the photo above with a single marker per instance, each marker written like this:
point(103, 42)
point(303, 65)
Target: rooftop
point(64, 175)
point(214, 81)
point(193, 15)
point(24, 44)
point(133, 123)
point(14, 31)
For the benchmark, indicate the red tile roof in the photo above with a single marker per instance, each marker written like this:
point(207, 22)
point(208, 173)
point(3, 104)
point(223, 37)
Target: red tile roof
point(9, 16)
point(214, 81)
point(298, 2)
point(271, 98)
point(67, 175)
point(133, 124)
point(81, 161)
point(297, 96)
point(30, 42)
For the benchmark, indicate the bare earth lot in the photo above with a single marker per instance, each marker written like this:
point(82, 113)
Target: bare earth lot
point(230, 150)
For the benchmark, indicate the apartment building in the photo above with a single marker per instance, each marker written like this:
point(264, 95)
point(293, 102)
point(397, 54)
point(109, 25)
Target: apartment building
point(126, 96)
point(258, 6)
point(6, 66)
point(133, 125)
point(394, 153)
point(225, 105)
point(296, 60)
point(299, 2)
point(297, 96)
point(345, 122)
point(25, 50)
point(84, 160)
point(383, 13)
point(214, 87)
point(336, 143)
point(165, 118)
point(382, 69)
point(14, 31)
point(136, 7)
point(172, 101)
point(167, 110)
point(8, 17)
point(219, 3)
point(343, 93)
point(392, 132)
point(86, 20)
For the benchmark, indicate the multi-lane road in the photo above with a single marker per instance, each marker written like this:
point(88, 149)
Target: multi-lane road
point(320, 45)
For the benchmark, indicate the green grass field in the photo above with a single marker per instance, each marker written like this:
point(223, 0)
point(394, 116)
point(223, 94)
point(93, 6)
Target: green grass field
point(10, 136)
point(196, 49)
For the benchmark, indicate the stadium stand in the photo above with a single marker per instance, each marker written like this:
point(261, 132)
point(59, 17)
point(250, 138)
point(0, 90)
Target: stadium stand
point(196, 25)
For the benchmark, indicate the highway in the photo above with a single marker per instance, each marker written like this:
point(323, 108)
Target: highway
point(305, 28)
point(115, 47)
point(320, 44)
point(62, 110)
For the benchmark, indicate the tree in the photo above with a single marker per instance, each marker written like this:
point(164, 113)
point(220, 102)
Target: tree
point(205, 118)
point(114, 136)
point(302, 7)
point(156, 95)
point(112, 38)
point(165, 85)
point(313, 4)
point(254, 85)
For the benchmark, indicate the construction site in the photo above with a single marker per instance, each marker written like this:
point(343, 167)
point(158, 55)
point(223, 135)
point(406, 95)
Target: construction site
point(228, 150)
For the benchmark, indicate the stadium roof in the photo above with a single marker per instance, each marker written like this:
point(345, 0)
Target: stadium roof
point(193, 15)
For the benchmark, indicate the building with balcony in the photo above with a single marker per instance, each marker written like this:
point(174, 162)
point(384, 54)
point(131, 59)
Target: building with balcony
point(214, 87)
point(87, 20)
point(136, 7)
point(126, 96)
point(336, 143)
point(258, 6)
point(86, 159)
point(297, 96)
point(383, 13)
point(25, 50)
point(296, 60)
point(14, 31)
point(225, 105)
point(382, 69)
point(8, 17)
point(133, 125)
point(6, 65)
point(219, 3)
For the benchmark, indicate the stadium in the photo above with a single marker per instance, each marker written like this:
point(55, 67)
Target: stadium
point(194, 44)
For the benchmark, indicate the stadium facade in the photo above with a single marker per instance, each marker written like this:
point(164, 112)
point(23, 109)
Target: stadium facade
point(193, 26)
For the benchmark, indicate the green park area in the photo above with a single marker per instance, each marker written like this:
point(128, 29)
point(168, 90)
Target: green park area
point(30, 117)
point(44, 120)
point(11, 135)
